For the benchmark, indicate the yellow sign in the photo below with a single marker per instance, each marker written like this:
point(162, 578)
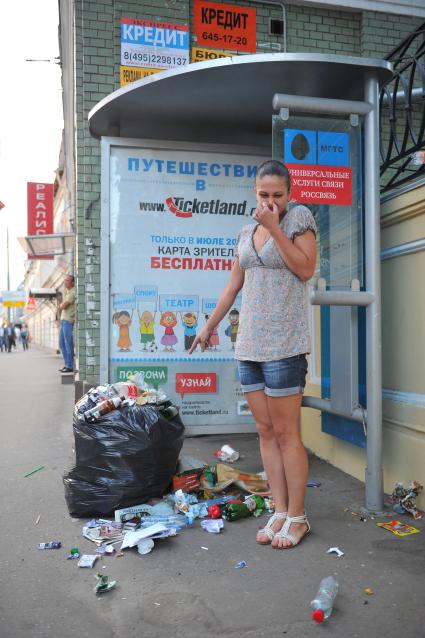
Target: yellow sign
point(198, 55)
point(13, 304)
point(129, 74)
point(13, 298)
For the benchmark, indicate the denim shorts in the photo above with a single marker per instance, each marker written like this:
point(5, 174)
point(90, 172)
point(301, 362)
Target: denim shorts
point(279, 378)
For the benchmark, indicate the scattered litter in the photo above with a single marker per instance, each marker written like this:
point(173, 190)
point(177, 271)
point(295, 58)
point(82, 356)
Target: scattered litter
point(37, 520)
point(404, 499)
point(103, 584)
point(119, 554)
point(188, 505)
point(131, 512)
point(241, 564)
point(314, 484)
point(101, 531)
point(157, 604)
point(235, 511)
point(132, 538)
point(213, 526)
point(145, 546)
point(74, 553)
point(227, 454)
point(269, 504)
point(369, 591)
point(107, 550)
point(214, 511)
point(87, 560)
point(398, 528)
point(255, 504)
point(37, 469)
point(226, 476)
point(189, 476)
point(50, 545)
point(335, 550)
point(206, 548)
point(323, 602)
point(361, 517)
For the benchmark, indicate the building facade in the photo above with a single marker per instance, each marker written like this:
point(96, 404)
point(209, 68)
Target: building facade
point(48, 274)
point(90, 49)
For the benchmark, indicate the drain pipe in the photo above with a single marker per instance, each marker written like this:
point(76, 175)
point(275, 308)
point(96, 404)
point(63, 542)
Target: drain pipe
point(277, 3)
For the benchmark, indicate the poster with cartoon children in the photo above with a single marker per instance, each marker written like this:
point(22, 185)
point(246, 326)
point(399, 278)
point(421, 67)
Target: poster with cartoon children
point(233, 327)
point(208, 305)
point(123, 306)
point(190, 325)
point(186, 306)
point(146, 300)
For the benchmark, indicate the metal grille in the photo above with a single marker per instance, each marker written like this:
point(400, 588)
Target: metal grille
point(402, 114)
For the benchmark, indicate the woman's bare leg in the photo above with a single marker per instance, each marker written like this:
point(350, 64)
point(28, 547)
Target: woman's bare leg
point(270, 455)
point(285, 413)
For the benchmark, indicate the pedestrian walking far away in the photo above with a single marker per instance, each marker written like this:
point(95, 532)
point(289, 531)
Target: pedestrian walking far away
point(67, 319)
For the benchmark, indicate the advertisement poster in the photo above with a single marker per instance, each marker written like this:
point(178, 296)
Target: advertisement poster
point(200, 55)
point(174, 219)
point(148, 44)
point(319, 163)
point(225, 26)
point(129, 74)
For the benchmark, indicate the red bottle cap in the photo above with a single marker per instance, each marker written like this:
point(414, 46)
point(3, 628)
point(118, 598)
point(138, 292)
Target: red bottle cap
point(318, 615)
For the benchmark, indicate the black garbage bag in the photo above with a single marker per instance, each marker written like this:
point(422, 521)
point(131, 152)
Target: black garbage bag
point(124, 458)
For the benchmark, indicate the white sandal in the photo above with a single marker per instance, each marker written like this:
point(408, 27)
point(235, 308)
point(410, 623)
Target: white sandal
point(284, 532)
point(267, 529)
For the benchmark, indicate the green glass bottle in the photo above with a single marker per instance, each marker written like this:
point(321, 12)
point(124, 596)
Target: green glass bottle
point(235, 511)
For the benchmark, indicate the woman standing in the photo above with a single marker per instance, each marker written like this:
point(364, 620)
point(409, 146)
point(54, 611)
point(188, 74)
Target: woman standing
point(275, 258)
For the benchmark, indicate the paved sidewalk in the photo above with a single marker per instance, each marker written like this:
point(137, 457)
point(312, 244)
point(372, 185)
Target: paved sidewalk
point(182, 590)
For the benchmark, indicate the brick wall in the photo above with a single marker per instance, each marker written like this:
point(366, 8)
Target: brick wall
point(381, 32)
point(323, 30)
point(97, 57)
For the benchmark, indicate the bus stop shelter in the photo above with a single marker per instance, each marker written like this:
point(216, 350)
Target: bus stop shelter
point(170, 143)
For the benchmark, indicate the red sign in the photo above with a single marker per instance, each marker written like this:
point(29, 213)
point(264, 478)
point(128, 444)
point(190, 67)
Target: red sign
point(40, 211)
point(225, 26)
point(31, 304)
point(313, 184)
point(196, 383)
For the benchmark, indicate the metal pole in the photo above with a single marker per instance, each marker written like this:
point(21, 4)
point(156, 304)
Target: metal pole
point(320, 104)
point(373, 473)
point(340, 298)
point(8, 269)
point(324, 405)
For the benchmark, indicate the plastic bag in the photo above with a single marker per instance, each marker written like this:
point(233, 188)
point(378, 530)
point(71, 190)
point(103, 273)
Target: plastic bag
point(126, 457)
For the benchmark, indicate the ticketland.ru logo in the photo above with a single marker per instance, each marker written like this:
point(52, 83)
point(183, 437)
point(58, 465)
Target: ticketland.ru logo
point(185, 208)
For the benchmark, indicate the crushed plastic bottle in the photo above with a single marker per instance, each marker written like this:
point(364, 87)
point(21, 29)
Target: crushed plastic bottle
point(322, 604)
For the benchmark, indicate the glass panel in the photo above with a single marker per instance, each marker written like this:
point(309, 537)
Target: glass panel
point(324, 157)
